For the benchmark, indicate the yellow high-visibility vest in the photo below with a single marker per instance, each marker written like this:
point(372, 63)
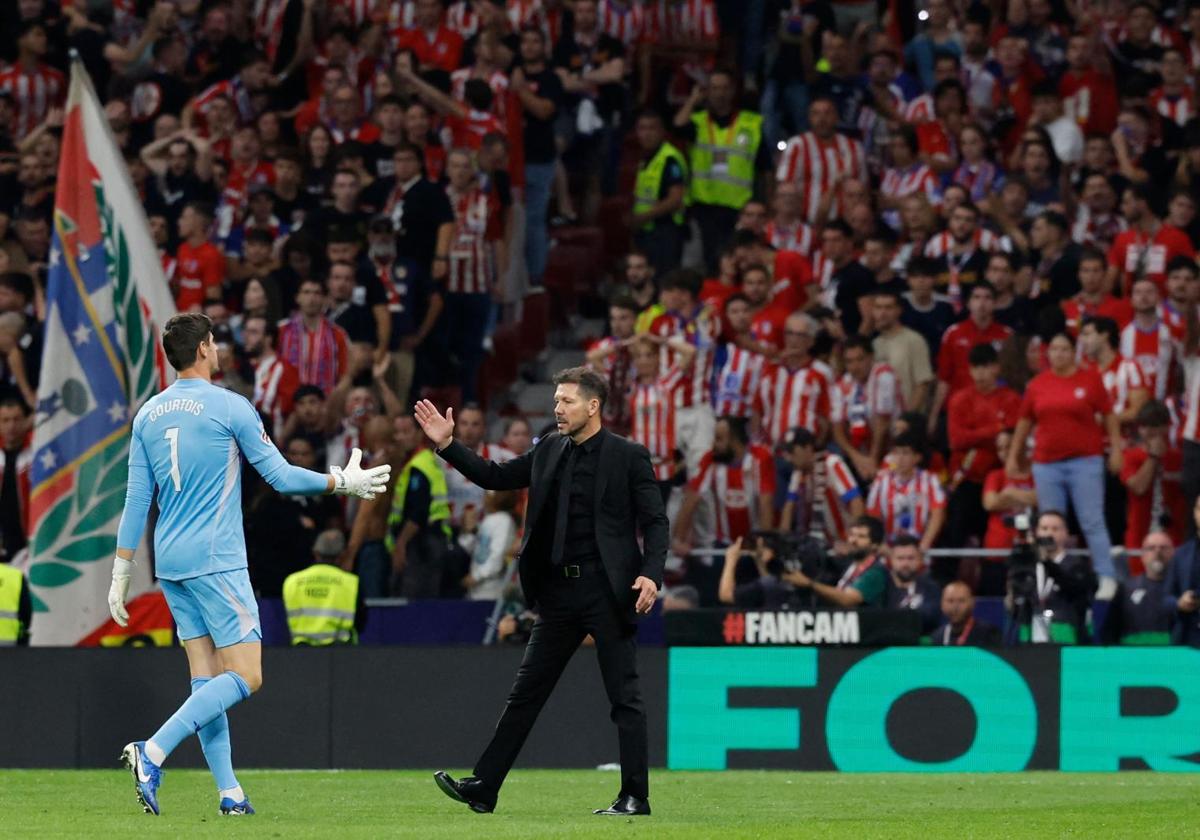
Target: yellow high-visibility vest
point(11, 583)
point(722, 159)
point(321, 601)
point(649, 182)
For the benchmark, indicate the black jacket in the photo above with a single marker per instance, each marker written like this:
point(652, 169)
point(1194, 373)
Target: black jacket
point(627, 498)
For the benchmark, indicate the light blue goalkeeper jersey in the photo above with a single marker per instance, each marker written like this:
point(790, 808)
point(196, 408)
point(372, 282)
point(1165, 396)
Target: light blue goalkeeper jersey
point(188, 441)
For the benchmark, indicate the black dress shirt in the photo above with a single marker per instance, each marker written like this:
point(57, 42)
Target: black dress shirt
point(579, 462)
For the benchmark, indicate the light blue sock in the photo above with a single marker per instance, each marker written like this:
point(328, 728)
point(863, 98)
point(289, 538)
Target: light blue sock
point(214, 740)
point(210, 702)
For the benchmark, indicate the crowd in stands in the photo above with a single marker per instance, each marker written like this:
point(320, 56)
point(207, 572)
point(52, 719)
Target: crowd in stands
point(930, 265)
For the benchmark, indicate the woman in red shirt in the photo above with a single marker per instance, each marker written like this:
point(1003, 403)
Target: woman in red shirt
point(1073, 414)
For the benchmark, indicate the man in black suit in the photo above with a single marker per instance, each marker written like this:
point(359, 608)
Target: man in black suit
point(581, 566)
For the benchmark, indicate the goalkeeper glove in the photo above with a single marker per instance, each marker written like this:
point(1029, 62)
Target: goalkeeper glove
point(119, 590)
point(353, 480)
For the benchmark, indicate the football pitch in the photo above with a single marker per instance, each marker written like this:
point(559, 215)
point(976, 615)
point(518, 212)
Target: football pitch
point(557, 804)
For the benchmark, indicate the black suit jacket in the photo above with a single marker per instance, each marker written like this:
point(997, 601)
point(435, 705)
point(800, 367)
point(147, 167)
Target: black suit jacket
point(627, 498)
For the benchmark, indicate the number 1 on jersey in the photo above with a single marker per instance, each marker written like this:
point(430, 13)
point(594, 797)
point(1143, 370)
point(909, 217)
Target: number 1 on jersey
point(172, 435)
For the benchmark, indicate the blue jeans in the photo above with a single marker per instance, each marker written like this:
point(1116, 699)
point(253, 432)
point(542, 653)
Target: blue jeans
point(1082, 480)
point(374, 569)
point(539, 180)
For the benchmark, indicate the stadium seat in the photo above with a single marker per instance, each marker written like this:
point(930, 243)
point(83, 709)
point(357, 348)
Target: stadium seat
point(611, 219)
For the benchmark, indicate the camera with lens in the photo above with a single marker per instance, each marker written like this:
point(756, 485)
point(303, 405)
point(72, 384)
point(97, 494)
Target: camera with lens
point(798, 553)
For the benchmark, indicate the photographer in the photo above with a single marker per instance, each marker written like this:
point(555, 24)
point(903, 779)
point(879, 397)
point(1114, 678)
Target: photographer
point(865, 581)
point(1049, 592)
point(910, 587)
point(777, 585)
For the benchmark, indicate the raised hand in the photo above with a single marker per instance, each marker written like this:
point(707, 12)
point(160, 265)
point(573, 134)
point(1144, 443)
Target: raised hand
point(353, 480)
point(437, 428)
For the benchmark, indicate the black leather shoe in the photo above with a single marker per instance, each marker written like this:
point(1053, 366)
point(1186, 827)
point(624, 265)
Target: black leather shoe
point(626, 806)
point(469, 791)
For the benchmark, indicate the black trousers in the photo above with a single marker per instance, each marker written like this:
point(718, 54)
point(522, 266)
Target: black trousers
point(570, 609)
point(716, 225)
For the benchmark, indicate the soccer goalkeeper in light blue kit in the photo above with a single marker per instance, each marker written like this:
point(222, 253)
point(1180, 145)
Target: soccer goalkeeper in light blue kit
point(188, 442)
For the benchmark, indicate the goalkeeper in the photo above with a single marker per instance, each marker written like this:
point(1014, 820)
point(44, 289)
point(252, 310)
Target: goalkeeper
point(188, 442)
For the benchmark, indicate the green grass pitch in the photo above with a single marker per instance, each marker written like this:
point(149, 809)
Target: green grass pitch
point(557, 804)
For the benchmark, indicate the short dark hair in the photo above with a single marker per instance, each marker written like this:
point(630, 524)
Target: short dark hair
point(799, 436)
point(1090, 253)
point(1107, 327)
point(1154, 414)
point(684, 280)
point(1181, 262)
point(909, 440)
point(592, 384)
point(842, 227)
point(984, 286)
point(923, 266)
point(906, 541)
point(857, 342)
point(182, 337)
point(873, 525)
point(18, 282)
point(737, 427)
point(1057, 514)
point(1055, 219)
point(624, 302)
point(982, 354)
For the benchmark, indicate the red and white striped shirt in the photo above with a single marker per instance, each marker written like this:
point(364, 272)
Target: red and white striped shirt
point(814, 165)
point(652, 411)
point(359, 11)
point(686, 20)
point(920, 110)
point(464, 494)
point(402, 14)
point(320, 356)
point(918, 178)
point(702, 331)
point(858, 403)
point(522, 13)
point(462, 19)
point(737, 382)
point(788, 398)
point(477, 228)
point(275, 384)
point(734, 490)
point(939, 245)
point(34, 94)
point(1175, 320)
point(1120, 377)
point(1153, 351)
point(268, 25)
point(797, 237)
point(626, 21)
point(237, 94)
point(905, 505)
point(832, 485)
point(1178, 108)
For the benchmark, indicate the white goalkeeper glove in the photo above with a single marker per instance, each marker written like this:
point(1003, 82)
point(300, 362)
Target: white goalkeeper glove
point(353, 480)
point(119, 590)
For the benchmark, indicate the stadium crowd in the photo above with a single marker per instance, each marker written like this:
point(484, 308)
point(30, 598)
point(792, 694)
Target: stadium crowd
point(890, 276)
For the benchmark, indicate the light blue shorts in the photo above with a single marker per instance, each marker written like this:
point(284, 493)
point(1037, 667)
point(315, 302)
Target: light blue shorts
point(220, 605)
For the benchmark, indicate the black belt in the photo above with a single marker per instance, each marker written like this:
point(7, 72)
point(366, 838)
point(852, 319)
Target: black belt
point(577, 570)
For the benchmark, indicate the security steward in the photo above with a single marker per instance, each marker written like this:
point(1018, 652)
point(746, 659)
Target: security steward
point(727, 151)
point(323, 602)
point(418, 527)
point(658, 195)
point(16, 608)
